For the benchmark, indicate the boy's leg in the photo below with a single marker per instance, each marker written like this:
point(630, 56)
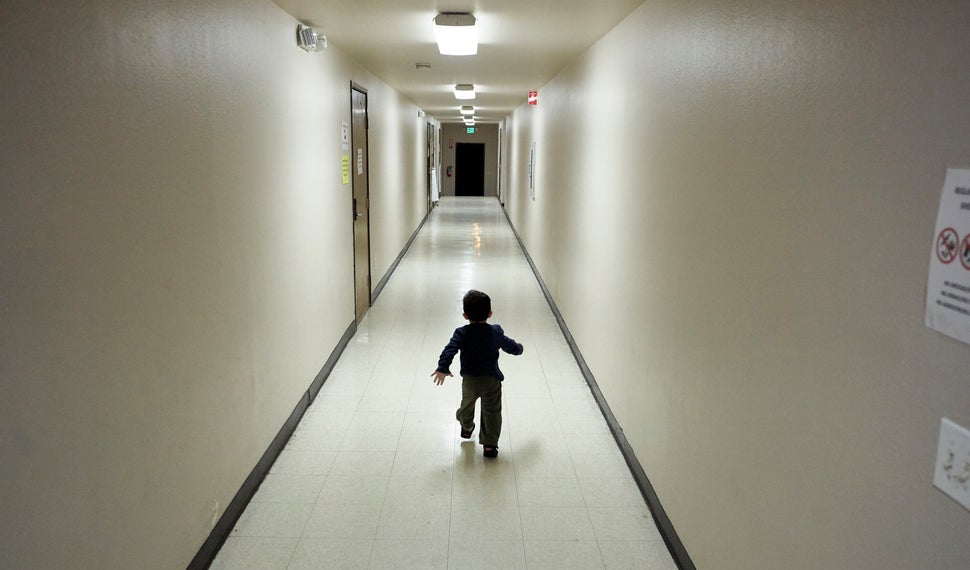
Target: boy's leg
point(466, 411)
point(490, 390)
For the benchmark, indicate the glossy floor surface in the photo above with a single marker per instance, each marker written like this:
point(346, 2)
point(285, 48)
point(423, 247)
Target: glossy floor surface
point(376, 475)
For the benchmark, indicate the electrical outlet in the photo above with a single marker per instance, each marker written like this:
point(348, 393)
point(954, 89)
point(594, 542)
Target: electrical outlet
point(953, 462)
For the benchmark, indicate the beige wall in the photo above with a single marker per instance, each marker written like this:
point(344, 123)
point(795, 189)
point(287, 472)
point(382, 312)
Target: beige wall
point(454, 133)
point(744, 196)
point(398, 173)
point(176, 261)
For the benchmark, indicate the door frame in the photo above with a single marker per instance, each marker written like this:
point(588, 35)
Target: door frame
point(430, 145)
point(461, 167)
point(498, 173)
point(354, 86)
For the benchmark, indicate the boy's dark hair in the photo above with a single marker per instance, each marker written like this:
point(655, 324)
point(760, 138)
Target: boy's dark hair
point(477, 306)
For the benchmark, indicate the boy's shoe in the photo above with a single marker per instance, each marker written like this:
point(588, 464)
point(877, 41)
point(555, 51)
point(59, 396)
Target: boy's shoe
point(467, 433)
point(490, 451)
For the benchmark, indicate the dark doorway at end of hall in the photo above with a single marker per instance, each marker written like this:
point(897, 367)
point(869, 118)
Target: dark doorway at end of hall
point(470, 169)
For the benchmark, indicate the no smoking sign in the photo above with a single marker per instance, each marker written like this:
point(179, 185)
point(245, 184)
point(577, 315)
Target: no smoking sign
point(965, 252)
point(946, 245)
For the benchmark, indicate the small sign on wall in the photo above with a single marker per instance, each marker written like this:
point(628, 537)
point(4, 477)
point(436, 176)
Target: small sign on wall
point(532, 171)
point(948, 284)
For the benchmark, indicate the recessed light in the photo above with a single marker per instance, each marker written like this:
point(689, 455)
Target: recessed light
point(456, 34)
point(464, 91)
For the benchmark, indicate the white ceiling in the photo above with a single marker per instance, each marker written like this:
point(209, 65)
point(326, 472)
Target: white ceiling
point(522, 45)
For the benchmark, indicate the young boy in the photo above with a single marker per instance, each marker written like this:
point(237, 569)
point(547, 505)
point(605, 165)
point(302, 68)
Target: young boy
point(479, 343)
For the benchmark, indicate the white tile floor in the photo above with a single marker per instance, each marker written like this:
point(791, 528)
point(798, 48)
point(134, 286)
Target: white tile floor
point(376, 475)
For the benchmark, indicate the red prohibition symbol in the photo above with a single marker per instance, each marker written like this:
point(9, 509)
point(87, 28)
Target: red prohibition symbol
point(965, 252)
point(946, 245)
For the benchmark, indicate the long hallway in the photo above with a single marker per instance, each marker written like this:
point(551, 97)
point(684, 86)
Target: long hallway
point(376, 475)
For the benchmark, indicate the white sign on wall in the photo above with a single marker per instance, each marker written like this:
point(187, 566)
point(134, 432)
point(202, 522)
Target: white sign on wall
point(532, 171)
point(948, 284)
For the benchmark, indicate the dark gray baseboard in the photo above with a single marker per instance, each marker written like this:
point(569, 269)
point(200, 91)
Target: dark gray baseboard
point(234, 510)
point(666, 528)
point(317, 383)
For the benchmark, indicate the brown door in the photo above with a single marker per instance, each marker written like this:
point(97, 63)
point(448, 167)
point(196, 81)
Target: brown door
point(361, 213)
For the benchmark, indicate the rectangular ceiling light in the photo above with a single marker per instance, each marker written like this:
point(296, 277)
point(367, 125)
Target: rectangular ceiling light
point(467, 110)
point(456, 34)
point(464, 91)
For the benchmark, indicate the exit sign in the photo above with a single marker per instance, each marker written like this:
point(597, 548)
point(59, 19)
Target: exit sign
point(471, 130)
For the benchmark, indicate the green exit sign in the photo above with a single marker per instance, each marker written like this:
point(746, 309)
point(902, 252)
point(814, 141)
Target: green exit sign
point(471, 130)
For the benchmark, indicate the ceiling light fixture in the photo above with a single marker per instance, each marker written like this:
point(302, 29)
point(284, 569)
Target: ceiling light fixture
point(464, 91)
point(467, 110)
point(456, 34)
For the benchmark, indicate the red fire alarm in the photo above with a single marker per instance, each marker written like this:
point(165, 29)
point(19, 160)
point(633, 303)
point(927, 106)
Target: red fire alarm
point(533, 97)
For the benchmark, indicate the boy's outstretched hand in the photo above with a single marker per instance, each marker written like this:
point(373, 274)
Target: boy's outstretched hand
point(439, 377)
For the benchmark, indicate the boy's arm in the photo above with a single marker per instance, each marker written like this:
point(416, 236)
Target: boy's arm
point(509, 345)
point(447, 355)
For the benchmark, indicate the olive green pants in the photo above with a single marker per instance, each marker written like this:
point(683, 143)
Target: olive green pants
point(489, 389)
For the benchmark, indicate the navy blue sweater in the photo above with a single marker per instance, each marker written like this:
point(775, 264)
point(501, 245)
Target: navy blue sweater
point(479, 344)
